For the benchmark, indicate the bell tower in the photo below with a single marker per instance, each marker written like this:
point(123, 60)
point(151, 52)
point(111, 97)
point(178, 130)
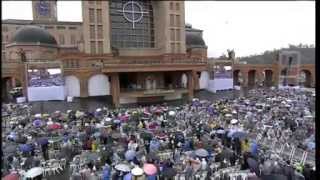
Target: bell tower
point(44, 10)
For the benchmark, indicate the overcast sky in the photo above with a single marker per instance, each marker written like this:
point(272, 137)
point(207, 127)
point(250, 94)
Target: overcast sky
point(247, 27)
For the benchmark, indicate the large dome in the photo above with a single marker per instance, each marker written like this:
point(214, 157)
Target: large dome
point(33, 34)
point(194, 40)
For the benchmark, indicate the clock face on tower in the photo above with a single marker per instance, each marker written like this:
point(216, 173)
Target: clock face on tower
point(43, 8)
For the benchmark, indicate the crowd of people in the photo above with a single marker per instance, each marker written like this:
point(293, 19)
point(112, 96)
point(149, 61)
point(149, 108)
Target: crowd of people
point(200, 140)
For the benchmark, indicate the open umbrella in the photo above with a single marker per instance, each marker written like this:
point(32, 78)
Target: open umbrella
point(116, 135)
point(234, 121)
point(220, 131)
point(11, 176)
point(43, 141)
point(172, 113)
point(239, 134)
point(150, 169)
point(129, 155)
point(152, 156)
point(154, 145)
point(21, 139)
point(117, 121)
point(122, 167)
point(137, 171)
point(34, 172)
point(169, 172)
point(146, 135)
point(54, 126)
point(191, 154)
point(124, 118)
point(25, 148)
point(202, 152)
point(10, 149)
point(37, 123)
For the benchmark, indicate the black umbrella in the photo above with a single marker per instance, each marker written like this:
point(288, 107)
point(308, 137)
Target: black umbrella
point(21, 139)
point(169, 173)
point(152, 156)
point(10, 149)
point(146, 135)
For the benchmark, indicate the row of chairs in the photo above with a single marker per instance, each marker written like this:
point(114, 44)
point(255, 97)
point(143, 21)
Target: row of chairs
point(53, 167)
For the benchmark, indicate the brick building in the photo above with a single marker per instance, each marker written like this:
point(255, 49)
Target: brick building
point(130, 50)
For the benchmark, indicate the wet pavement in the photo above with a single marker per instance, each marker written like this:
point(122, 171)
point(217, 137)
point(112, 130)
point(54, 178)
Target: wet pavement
point(92, 103)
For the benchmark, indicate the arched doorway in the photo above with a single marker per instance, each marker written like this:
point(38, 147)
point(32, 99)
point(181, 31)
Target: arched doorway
point(268, 77)
point(251, 78)
point(236, 77)
point(184, 80)
point(204, 80)
point(284, 78)
point(98, 85)
point(305, 78)
point(72, 84)
point(11, 89)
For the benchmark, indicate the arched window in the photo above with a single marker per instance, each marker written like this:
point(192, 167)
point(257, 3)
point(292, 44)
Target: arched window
point(131, 24)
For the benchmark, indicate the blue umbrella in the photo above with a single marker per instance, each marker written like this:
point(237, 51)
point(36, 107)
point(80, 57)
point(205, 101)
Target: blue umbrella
point(25, 148)
point(220, 131)
point(239, 134)
point(12, 136)
point(231, 132)
point(37, 123)
point(154, 145)
point(311, 145)
point(117, 121)
point(202, 152)
point(43, 141)
point(127, 176)
point(129, 155)
point(97, 134)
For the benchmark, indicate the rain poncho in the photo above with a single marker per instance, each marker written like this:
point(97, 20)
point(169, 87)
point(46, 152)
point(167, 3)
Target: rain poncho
point(245, 146)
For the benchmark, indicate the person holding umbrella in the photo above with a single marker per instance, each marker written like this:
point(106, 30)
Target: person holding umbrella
point(245, 146)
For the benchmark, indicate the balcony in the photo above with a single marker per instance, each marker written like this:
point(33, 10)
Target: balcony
point(151, 92)
point(154, 62)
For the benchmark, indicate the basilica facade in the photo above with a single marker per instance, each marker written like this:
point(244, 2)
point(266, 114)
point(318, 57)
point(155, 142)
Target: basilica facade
point(133, 51)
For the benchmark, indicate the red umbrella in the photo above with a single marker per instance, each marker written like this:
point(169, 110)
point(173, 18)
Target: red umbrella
point(150, 169)
point(55, 126)
point(124, 118)
point(12, 176)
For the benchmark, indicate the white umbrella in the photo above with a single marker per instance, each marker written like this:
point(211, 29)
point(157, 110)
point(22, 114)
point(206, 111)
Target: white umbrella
point(34, 172)
point(201, 152)
point(37, 115)
point(228, 115)
point(99, 109)
point(122, 167)
point(172, 113)
point(234, 121)
point(137, 171)
point(107, 119)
